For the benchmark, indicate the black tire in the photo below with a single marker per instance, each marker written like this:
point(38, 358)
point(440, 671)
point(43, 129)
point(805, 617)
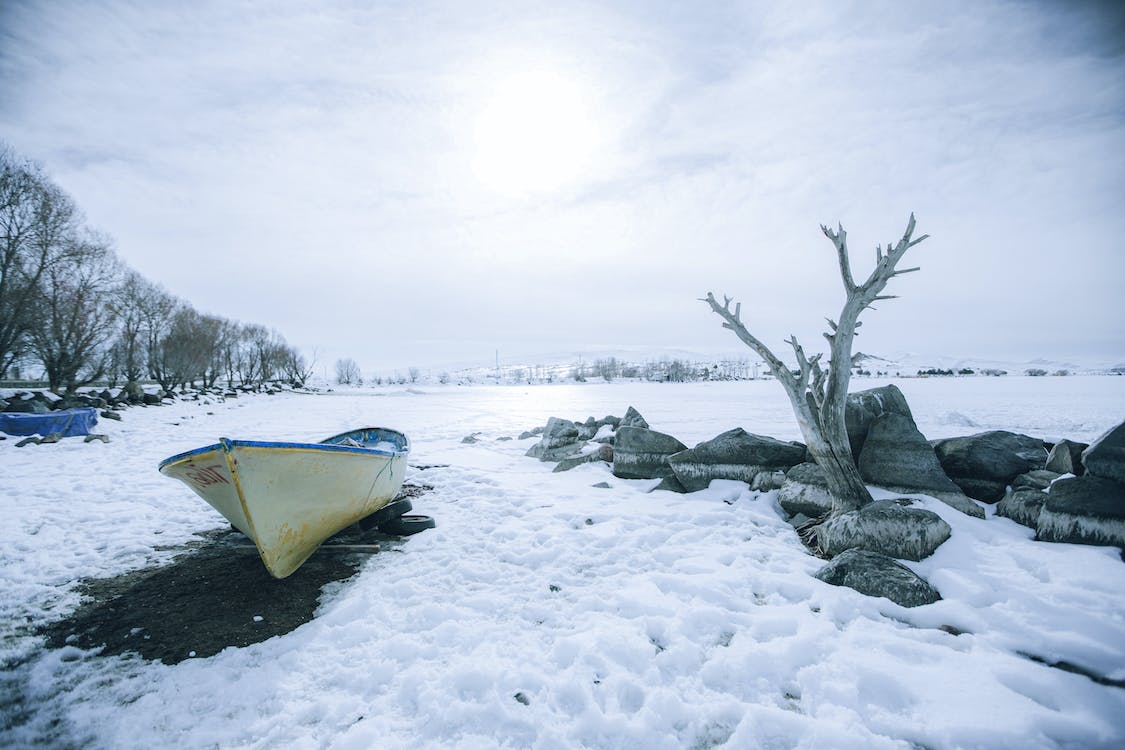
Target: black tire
point(388, 512)
point(407, 525)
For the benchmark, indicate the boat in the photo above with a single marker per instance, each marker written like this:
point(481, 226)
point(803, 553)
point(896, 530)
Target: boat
point(290, 497)
point(64, 422)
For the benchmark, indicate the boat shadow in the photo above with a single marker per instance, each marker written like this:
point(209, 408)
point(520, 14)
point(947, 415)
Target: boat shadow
point(215, 595)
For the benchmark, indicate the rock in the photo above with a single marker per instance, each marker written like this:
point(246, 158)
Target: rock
point(1040, 479)
point(559, 440)
point(1066, 458)
point(669, 484)
point(80, 400)
point(897, 456)
point(862, 408)
point(878, 575)
point(603, 453)
point(984, 464)
point(559, 432)
point(54, 437)
point(885, 527)
point(33, 440)
point(32, 405)
point(588, 429)
point(133, 392)
point(1022, 506)
point(531, 433)
point(735, 454)
point(640, 453)
point(632, 418)
point(805, 491)
point(610, 420)
point(107, 414)
point(3, 404)
point(606, 439)
point(603, 486)
point(985, 490)
point(768, 480)
point(470, 439)
point(554, 454)
point(1084, 510)
point(92, 437)
point(1106, 456)
point(151, 399)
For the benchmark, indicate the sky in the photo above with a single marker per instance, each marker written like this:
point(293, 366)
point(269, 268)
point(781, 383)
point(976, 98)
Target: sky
point(424, 183)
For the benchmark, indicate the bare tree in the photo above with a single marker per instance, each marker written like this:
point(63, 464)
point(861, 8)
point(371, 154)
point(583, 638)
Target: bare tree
point(132, 301)
point(413, 372)
point(296, 369)
point(71, 320)
point(184, 351)
point(347, 372)
point(38, 222)
point(818, 397)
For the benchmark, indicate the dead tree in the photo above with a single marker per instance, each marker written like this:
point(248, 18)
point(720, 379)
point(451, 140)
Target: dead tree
point(818, 397)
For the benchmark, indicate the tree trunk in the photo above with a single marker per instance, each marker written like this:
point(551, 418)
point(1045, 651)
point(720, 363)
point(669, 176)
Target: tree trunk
point(819, 399)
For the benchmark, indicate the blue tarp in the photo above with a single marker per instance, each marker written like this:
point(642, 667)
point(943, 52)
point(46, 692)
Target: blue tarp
point(69, 422)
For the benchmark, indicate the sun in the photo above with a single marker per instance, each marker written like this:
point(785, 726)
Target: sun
point(535, 133)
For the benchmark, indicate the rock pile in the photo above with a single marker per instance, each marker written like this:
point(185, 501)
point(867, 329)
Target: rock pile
point(110, 402)
point(1084, 506)
point(1067, 492)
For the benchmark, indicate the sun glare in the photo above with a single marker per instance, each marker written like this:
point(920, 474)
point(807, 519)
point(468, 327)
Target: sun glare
point(534, 133)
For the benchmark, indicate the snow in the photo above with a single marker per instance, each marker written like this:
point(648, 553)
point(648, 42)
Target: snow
point(545, 613)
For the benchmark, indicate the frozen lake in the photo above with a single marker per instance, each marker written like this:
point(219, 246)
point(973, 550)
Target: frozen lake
point(545, 613)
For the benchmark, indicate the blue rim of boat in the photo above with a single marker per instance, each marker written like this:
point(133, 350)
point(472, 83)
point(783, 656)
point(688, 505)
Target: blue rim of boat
point(328, 447)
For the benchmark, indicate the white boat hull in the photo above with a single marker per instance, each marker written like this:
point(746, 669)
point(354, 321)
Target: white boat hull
point(290, 497)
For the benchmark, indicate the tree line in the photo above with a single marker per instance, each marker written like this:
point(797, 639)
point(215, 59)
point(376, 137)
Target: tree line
point(71, 307)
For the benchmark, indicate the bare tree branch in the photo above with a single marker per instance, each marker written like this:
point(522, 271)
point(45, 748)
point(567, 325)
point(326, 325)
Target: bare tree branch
point(818, 397)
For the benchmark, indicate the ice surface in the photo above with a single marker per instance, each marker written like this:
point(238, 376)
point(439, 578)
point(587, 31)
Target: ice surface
point(545, 613)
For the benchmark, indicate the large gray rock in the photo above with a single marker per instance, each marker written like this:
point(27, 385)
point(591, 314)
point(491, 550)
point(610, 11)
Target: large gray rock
point(559, 440)
point(862, 408)
point(559, 432)
point(1106, 456)
point(1066, 458)
point(632, 418)
point(669, 484)
point(1040, 479)
point(639, 453)
point(735, 454)
point(805, 491)
point(588, 429)
point(983, 465)
point(557, 453)
point(878, 575)
point(898, 457)
point(31, 405)
point(603, 453)
point(1084, 510)
point(1022, 506)
point(885, 527)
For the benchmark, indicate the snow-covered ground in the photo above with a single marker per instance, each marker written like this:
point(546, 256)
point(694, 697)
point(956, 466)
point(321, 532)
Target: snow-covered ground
point(620, 619)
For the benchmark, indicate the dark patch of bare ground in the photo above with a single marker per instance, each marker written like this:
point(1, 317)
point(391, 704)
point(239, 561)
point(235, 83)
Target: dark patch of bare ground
point(207, 598)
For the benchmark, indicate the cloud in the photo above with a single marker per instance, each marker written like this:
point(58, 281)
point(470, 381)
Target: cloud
point(309, 166)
